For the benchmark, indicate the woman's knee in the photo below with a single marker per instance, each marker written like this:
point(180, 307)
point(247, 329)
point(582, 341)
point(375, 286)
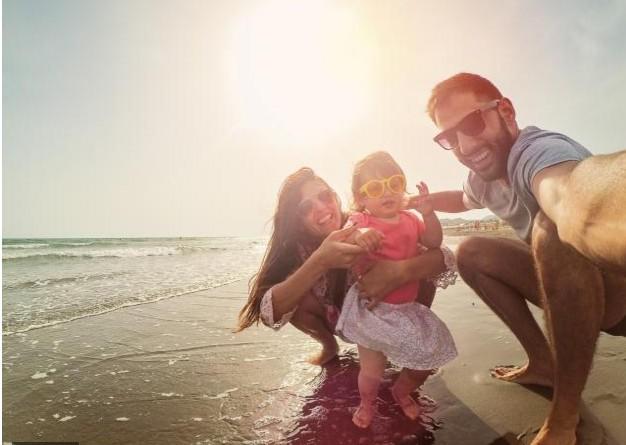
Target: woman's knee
point(310, 318)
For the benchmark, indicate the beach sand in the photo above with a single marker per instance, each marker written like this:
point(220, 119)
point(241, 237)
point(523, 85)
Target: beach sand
point(172, 372)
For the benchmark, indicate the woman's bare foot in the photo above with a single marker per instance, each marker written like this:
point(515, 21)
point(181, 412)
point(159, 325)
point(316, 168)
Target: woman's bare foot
point(409, 407)
point(328, 352)
point(363, 415)
point(522, 375)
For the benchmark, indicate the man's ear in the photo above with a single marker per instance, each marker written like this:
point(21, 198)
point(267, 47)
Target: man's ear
point(507, 110)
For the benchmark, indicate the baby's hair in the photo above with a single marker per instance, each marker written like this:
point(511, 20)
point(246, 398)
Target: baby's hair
point(379, 164)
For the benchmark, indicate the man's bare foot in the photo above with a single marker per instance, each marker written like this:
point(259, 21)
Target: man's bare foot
point(522, 375)
point(407, 404)
point(550, 436)
point(327, 353)
point(363, 415)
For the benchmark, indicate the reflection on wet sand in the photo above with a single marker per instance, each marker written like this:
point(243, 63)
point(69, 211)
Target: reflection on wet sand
point(326, 414)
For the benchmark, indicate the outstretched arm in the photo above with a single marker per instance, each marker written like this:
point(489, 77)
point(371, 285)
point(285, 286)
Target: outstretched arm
point(452, 201)
point(586, 200)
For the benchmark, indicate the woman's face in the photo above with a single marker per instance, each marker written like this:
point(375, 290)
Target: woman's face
point(318, 209)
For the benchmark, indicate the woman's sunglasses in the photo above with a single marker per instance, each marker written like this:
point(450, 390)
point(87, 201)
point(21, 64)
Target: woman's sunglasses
point(375, 188)
point(326, 197)
point(471, 125)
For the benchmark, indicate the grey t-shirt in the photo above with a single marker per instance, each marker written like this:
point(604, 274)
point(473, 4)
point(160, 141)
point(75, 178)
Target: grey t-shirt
point(534, 150)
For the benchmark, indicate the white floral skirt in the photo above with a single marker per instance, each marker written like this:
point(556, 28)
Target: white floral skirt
point(410, 334)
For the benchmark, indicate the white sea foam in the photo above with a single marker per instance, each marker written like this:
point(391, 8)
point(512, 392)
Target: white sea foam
point(95, 253)
point(25, 246)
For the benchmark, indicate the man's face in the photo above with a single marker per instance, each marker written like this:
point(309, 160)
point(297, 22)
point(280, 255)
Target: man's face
point(487, 152)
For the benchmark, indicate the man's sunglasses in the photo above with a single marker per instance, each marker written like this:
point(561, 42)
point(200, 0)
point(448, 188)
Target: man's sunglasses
point(375, 188)
point(471, 125)
point(326, 197)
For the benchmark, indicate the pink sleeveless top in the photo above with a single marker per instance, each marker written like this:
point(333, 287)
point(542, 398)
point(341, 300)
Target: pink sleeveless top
point(399, 243)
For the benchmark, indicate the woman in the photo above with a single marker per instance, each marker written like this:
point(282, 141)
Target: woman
point(302, 278)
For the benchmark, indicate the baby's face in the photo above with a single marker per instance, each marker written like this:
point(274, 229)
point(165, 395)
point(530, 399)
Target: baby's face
point(389, 204)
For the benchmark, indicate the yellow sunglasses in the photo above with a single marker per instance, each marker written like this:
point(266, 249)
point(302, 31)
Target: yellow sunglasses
point(375, 188)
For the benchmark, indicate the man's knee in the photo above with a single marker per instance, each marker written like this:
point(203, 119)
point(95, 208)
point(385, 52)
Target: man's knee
point(468, 257)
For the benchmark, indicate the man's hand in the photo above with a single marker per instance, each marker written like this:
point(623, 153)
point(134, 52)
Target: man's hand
point(382, 278)
point(369, 239)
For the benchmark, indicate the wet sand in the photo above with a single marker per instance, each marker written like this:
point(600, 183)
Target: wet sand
point(172, 372)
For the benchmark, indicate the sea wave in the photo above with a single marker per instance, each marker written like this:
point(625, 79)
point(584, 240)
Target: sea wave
point(73, 244)
point(25, 246)
point(132, 252)
point(52, 281)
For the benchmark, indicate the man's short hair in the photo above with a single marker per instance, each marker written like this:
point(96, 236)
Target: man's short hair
point(460, 83)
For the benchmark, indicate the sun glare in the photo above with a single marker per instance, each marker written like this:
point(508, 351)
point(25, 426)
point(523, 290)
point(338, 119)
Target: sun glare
point(299, 67)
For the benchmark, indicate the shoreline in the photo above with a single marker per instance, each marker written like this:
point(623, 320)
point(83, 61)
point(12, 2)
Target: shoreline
point(113, 309)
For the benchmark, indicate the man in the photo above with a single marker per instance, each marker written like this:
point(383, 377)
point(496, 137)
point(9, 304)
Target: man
point(566, 206)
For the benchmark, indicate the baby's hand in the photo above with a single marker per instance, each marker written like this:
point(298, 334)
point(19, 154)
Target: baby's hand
point(422, 202)
point(369, 239)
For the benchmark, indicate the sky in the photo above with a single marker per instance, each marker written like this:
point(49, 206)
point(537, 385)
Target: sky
point(182, 118)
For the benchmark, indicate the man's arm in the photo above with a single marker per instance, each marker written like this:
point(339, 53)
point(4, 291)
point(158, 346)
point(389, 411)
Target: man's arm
point(453, 201)
point(587, 202)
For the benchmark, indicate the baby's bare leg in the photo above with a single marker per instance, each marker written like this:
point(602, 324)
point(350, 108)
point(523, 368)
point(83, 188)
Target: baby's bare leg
point(407, 382)
point(372, 368)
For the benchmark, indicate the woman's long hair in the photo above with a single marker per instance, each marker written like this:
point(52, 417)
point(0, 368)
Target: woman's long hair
point(281, 257)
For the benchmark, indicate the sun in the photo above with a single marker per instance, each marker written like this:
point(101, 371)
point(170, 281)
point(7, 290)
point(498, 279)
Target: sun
point(300, 67)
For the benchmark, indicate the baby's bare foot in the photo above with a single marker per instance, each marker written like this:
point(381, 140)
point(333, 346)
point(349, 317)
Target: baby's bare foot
point(407, 404)
point(363, 415)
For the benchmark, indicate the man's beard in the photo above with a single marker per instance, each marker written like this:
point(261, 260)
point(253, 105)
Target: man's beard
point(499, 149)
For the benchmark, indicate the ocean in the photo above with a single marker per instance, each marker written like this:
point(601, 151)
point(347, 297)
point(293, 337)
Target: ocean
point(51, 281)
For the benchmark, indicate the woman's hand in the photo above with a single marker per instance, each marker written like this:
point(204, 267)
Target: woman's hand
point(387, 275)
point(369, 239)
point(381, 279)
point(335, 252)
